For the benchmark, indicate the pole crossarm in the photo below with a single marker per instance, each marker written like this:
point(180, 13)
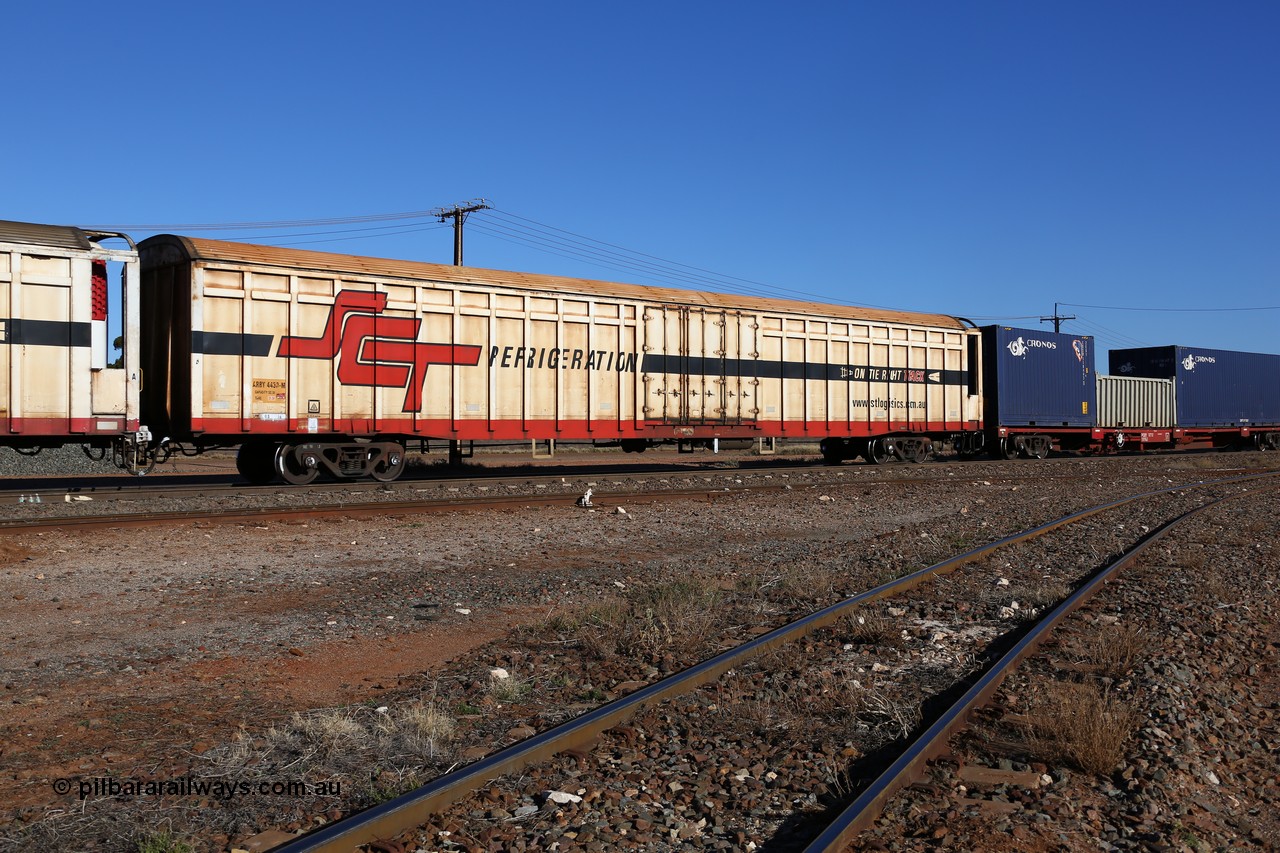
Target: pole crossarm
point(459, 215)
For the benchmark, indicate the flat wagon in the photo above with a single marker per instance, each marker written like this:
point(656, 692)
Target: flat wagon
point(314, 361)
point(1221, 398)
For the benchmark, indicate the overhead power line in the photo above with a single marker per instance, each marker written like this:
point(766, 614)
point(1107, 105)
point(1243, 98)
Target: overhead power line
point(548, 238)
point(1183, 310)
point(415, 229)
point(1104, 333)
point(348, 234)
point(511, 228)
point(279, 223)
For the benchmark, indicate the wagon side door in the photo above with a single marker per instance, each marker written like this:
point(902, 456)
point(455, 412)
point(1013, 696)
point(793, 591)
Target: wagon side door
point(666, 363)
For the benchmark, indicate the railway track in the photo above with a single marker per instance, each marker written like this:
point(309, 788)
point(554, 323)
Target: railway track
point(692, 694)
point(108, 489)
point(355, 508)
point(80, 503)
point(910, 765)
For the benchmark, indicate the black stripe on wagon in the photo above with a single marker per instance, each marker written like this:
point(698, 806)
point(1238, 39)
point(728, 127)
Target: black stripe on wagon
point(761, 369)
point(231, 343)
point(45, 333)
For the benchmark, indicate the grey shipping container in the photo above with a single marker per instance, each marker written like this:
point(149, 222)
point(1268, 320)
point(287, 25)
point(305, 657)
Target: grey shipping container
point(1212, 388)
point(1131, 402)
point(1033, 378)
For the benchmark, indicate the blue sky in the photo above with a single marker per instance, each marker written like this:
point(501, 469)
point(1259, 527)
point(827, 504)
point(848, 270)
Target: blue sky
point(985, 159)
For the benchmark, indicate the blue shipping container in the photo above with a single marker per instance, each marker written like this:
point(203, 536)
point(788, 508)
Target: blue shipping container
point(1037, 378)
point(1212, 388)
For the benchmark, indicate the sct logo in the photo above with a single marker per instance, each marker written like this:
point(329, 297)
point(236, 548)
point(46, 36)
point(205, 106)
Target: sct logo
point(374, 351)
point(1019, 348)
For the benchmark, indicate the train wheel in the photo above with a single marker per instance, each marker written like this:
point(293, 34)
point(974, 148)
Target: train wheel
point(1040, 447)
point(1009, 448)
point(878, 452)
point(256, 462)
point(389, 465)
point(293, 470)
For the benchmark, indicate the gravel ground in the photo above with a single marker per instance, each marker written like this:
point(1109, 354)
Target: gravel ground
point(160, 656)
point(61, 460)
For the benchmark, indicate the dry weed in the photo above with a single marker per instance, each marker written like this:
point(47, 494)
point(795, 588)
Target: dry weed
point(1117, 649)
point(1041, 594)
point(1083, 725)
point(888, 707)
point(870, 628)
point(798, 583)
point(796, 705)
point(341, 742)
point(510, 689)
point(669, 618)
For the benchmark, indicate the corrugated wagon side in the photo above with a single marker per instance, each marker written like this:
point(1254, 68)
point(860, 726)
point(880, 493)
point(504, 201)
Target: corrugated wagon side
point(1134, 413)
point(317, 361)
point(57, 383)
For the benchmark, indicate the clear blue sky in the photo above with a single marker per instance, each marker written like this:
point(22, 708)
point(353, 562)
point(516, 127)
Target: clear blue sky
point(984, 159)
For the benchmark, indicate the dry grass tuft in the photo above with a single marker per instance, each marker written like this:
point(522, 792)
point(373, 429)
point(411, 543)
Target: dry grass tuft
point(338, 743)
point(870, 628)
point(162, 842)
point(809, 584)
point(1041, 594)
point(1117, 649)
point(1083, 725)
point(793, 705)
point(508, 690)
point(673, 618)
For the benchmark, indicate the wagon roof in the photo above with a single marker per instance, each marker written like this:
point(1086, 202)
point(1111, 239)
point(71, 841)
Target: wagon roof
point(59, 236)
point(195, 248)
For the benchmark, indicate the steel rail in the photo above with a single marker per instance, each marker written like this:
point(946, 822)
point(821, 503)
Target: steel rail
point(402, 507)
point(55, 489)
point(390, 508)
point(52, 489)
point(862, 813)
point(387, 820)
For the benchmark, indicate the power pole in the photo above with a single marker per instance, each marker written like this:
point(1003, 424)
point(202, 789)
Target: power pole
point(459, 214)
point(1057, 319)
